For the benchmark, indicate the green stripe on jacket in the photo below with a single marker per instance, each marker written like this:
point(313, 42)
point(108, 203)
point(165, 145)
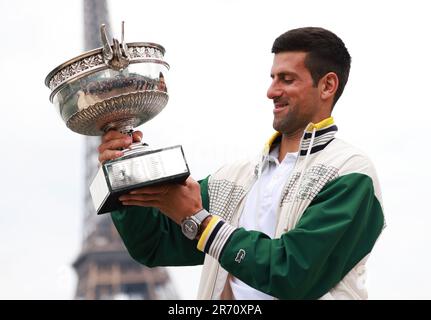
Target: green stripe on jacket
point(336, 231)
point(153, 239)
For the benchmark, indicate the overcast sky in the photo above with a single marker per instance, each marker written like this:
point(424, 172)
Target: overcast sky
point(219, 52)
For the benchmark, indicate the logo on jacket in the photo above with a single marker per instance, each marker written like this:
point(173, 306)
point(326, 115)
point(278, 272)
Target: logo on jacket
point(240, 255)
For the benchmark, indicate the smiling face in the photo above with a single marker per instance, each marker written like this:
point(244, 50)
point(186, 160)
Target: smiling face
point(297, 101)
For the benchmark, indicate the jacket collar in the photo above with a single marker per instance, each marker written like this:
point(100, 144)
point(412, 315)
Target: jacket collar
point(325, 132)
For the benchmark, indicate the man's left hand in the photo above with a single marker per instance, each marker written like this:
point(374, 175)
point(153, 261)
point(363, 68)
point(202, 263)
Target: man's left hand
point(177, 201)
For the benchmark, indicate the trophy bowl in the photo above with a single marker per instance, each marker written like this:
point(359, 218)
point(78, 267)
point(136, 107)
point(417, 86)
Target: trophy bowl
point(118, 87)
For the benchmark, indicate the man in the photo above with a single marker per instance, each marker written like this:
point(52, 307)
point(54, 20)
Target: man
point(296, 223)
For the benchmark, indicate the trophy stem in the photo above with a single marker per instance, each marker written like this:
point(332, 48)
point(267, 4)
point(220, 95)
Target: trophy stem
point(123, 126)
point(126, 127)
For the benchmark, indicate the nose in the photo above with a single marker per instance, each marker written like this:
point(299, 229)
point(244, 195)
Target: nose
point(273, 91)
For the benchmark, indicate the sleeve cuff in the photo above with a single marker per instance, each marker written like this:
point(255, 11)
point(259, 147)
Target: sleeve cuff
point(215, 237)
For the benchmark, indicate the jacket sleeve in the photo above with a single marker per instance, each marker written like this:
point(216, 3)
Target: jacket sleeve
point(337, 230)
point(153, 239)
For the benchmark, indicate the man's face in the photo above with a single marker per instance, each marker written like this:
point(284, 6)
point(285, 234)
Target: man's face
point(296, 101)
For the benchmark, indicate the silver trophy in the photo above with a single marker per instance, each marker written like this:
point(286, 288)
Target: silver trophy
point(118, 87)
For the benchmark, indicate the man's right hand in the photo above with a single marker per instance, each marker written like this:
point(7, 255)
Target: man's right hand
point(113, 142)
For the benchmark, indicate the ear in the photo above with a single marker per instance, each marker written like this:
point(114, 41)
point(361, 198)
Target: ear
point(328, 85)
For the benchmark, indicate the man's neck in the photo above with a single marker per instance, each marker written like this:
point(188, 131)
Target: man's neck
point(289, 143)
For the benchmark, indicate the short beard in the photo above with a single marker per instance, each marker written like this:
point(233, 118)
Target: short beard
point(289, 126)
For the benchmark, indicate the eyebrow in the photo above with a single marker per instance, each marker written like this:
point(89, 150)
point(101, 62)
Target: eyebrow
point(283, 74)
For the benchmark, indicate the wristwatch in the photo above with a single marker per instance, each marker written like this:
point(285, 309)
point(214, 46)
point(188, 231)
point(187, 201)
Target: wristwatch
point(190, 225)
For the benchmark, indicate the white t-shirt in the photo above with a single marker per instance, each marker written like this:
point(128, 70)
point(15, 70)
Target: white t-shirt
point(260, 211)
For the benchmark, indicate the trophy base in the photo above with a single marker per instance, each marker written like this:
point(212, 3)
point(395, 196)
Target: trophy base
point(136, 169)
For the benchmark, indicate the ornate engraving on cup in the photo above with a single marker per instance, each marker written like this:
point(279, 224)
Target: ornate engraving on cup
point(136, 51)
point(138, 107)
point(74, 69)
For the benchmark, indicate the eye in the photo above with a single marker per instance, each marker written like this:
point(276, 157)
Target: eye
point(288, 80)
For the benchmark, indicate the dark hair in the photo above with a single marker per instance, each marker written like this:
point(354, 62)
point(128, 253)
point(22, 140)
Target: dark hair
point(326, 52)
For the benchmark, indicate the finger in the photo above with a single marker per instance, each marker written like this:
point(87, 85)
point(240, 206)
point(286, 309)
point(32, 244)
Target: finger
point(113, 134)
point(162, 189)
point(115, 144)
point(187, 182)
point(190, 180)
point(137, 136)
point(109, 155)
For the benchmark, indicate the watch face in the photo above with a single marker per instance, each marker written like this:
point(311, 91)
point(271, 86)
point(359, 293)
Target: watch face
point(190, 228)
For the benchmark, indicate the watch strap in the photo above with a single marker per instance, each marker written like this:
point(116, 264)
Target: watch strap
point(201, 215)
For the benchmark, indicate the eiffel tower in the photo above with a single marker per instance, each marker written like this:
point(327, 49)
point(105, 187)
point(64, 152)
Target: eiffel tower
point(105, 269)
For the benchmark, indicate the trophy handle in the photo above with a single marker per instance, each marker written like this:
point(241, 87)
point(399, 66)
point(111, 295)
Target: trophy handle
point(124, 48)
point(117, 57)
point(108, 54)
